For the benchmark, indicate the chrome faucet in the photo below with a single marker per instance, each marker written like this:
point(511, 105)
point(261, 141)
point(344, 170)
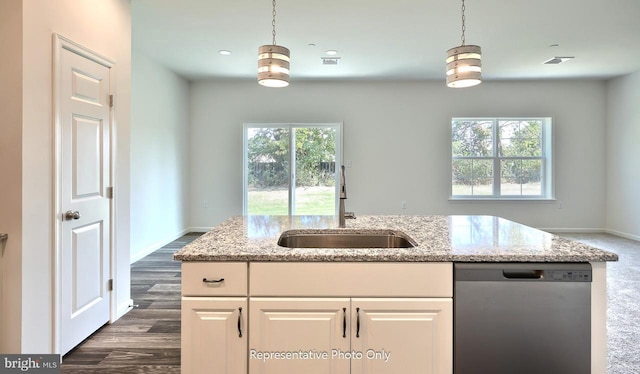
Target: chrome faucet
point(343, 197)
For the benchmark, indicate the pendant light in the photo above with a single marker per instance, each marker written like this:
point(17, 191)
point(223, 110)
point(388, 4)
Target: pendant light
point(464, 65)
point(273, 61)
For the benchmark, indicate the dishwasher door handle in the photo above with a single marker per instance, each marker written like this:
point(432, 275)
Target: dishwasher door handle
point(523, 274)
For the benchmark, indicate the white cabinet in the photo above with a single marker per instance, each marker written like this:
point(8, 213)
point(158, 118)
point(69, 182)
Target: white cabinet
point(358, 335)
point(214, 336)
point(408, 335)
point(214, 318)
point(373, 330)
point(324, 318)
point(303, 328)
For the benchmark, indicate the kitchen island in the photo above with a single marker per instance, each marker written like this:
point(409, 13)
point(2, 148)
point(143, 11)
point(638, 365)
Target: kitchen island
point(327, 310)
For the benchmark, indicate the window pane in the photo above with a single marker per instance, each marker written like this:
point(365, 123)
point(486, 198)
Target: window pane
point(315, 171)
point(472, 138)
point(482, 177)
point(472, 177)
point(521, 177)
point(520, 139)
point(462, 177)
point(268, 174)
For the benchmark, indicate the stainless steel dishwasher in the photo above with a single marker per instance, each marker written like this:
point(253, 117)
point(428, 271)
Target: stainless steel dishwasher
point(522, 318)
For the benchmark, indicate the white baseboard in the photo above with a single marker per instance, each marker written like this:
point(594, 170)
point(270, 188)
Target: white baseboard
point(199, 229)
point(123, 309)
point(623, 234)
point(593, 231)
point(152, 248)
point(573, 230)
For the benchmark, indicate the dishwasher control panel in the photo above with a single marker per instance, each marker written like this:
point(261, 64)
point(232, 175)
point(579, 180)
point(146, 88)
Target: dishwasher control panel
point(568, 275)
point(523, 272)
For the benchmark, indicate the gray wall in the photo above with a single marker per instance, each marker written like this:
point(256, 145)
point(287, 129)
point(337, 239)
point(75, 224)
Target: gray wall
point(397, 136)
point(623, 156)
point(159, 156)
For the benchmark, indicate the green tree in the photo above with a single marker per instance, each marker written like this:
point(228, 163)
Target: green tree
point(269, 157)
point(315, 148)
point(472, 139)
point(520, 139)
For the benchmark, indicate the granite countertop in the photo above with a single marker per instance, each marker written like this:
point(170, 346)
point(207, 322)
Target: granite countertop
point(439, 238)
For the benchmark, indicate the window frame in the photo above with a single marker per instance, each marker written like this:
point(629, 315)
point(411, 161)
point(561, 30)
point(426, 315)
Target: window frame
point(546, 158)
point(292, 158)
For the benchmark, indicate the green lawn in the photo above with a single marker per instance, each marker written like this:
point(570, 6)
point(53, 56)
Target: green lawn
point(309, 201)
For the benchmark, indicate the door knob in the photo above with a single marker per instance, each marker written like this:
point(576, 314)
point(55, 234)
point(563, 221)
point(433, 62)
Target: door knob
point(70, 214)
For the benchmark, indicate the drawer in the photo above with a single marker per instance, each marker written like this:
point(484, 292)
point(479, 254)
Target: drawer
point(351, 279)
point(194, 275)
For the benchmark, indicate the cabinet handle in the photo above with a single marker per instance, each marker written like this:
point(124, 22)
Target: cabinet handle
point(357, 322)
point(240, 322)
point(344, 322)
point(205, 280)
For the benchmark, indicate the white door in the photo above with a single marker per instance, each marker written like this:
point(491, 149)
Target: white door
point(84, 208)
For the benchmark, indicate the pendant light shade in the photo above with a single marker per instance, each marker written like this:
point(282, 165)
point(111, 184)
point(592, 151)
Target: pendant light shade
point(273, 66)
point(273, 60)
point(464, 66)
point(464, 63)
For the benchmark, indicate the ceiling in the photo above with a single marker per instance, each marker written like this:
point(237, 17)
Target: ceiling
point(391, 39)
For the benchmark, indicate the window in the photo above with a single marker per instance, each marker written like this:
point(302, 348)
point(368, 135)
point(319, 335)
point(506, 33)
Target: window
point(290, 169)
point(501, 158)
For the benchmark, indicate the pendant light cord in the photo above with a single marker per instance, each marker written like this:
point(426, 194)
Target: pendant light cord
point(463, 19)
point(273, 23)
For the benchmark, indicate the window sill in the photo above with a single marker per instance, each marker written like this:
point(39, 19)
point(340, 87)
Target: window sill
point(493, 199)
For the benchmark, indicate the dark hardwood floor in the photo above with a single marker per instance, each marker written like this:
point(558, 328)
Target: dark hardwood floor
point(147, 339)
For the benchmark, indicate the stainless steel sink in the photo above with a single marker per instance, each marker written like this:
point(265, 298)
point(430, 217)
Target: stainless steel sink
point(345, 239)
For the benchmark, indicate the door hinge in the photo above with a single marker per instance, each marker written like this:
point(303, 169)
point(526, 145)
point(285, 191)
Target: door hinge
point(110, 101)
point(109, 192)
point(110, 285)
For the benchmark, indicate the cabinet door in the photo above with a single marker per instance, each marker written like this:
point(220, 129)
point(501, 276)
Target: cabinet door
point(214, 336)
point(408, 336)
point(299, 335)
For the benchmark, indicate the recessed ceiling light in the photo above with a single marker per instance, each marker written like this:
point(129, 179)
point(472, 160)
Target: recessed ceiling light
point(224, 52)
point(332, 52)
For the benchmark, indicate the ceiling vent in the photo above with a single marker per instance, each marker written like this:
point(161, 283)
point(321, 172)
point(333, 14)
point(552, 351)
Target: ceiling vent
point(330, 60)
point(558, 60)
